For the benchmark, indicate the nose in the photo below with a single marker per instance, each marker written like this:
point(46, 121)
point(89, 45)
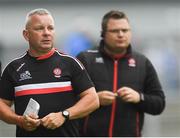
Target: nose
point(46, 31)
point(120, 33)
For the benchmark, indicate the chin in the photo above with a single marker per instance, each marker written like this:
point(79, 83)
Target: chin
point(47, 46)
point(46, 49)
point(122, 46)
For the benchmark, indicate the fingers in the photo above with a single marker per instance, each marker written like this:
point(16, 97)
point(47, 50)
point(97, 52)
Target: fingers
point(47, 122)
point(52, 120)
point(128, 95)
point(30, 127)
point(33, 116)
point(106, 97)
point(30, 124)
point(107, 94)
point(32, 121)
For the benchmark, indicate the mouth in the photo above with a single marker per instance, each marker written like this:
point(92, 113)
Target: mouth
point(120, 41)
point(46, 41)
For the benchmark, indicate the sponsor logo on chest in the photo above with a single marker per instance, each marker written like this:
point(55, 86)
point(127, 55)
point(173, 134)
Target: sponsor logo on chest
point(25, 76)
point(99, 60)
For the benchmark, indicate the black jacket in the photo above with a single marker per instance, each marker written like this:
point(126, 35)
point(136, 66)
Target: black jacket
point(133, 70)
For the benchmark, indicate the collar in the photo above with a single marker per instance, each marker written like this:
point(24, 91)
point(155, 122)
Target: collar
point(47, 55)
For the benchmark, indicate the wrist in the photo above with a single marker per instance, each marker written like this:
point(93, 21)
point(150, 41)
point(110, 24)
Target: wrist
point(66, 115)
point(141, 97)
point(19, 121)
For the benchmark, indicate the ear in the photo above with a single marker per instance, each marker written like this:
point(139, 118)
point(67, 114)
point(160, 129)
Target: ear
point(26, 34)
point(102, 33)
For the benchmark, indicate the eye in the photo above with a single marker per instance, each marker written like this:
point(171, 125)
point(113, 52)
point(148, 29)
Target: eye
point(39, 28)
point(125, 30)
point(51, 28)
point(114, 31)
point(117, 31)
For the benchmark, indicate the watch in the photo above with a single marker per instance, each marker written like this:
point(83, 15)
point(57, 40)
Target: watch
point(65, 114)
point(141, 96)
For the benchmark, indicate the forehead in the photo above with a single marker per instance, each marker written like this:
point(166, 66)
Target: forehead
point(41, 19)
point(118, 23)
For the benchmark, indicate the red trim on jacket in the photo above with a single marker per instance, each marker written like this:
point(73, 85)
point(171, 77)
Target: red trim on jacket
point(137, 125)
point(111, 126)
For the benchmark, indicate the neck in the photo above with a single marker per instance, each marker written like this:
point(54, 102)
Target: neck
point(42, 55)
point(34, 53)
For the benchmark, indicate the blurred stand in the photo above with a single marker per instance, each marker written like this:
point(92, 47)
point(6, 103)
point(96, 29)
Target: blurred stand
point(79, 37)
point(77, 42)
point(163, 53)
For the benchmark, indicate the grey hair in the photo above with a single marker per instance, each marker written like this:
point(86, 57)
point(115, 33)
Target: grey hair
point(39, 11)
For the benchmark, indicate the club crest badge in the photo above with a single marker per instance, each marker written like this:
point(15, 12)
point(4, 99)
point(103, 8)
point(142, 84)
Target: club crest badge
point(132, 62)
point(57, 72)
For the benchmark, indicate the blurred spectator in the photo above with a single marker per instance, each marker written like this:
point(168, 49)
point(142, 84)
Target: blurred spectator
point(80, 36)
point(77, 42)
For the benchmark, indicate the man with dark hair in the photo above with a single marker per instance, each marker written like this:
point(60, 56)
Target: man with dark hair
point(58, 82)
point(126, 82)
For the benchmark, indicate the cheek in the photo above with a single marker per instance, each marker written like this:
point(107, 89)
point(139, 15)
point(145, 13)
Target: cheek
point(129, 37)
point(53, 36)
point(35, 37)
point(32, 38)
point(109, 39)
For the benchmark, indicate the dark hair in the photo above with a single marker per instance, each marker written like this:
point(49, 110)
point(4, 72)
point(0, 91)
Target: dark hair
point(111, 15)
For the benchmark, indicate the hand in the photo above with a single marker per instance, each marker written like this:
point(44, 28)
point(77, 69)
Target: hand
point(106, 97)
point(29, 122)
point(53, 120)
point(128, 95)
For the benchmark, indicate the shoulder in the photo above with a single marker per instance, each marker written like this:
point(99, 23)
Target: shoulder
point(17, 60)
point(69, 59)
point(142, 59)
point(139, 56)
point(14, 64)
point(65, 56)
point(88, 54)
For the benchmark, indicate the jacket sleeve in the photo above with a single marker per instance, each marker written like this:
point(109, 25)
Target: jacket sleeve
point(82, 58)
point(152, 98)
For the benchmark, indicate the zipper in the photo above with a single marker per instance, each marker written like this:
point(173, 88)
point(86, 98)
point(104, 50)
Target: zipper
point(115, 77)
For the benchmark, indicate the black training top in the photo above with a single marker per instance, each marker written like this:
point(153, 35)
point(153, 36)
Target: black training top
point(54, 81)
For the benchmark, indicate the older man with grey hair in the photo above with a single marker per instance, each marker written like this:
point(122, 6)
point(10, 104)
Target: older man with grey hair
point(57, 82)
